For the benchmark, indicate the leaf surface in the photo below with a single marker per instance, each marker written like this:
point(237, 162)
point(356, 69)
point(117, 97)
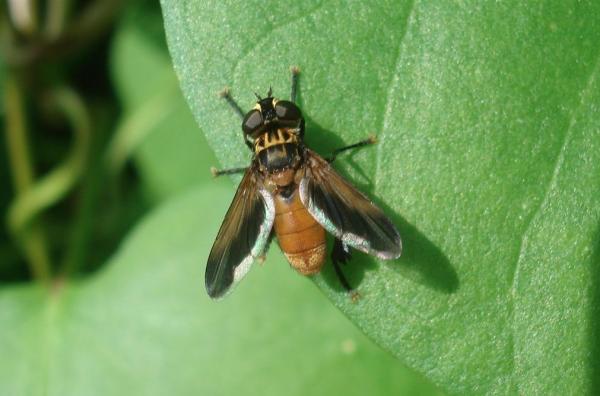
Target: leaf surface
point(488, 160)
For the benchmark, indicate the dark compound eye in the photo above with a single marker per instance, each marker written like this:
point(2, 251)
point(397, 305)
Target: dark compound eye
point(287, 110)
point(252, 121)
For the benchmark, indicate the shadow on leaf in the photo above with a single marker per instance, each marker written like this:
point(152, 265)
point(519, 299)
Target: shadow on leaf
point(421, 260)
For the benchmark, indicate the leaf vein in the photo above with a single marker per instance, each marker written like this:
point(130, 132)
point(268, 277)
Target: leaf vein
point(391, 85)
point(268, 34)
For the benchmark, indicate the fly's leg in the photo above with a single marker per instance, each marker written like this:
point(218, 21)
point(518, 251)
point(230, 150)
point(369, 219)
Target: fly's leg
point(225, 94)
point(370, 140)
point(352, 293)
point(231, 171)
point(341, 255)
point(341, 252)
point(341, 277)
point(295, 74)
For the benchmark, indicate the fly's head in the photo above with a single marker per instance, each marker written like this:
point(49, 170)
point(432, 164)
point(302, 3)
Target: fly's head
point(272, 117)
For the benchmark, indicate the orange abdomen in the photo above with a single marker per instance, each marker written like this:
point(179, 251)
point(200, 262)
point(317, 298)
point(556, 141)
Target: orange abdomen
point(300, 237)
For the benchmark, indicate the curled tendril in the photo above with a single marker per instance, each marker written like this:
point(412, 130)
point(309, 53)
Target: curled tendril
point(52, 187)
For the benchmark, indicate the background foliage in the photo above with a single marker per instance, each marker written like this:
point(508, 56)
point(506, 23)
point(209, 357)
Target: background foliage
point(488, 160)
point(120, 307)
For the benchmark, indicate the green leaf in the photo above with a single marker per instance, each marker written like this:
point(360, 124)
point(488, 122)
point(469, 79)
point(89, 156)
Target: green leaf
point(488, 159)
point(145, 326)
point(170, 158)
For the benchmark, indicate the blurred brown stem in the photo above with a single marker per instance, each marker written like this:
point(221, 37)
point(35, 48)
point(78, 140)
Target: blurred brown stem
point(23, 14)
point(56, 18)
point(92, 22)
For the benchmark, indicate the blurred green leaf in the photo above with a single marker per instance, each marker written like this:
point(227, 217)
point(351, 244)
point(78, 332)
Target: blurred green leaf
point(489, 160)
point(145, 326)
point(170, 151)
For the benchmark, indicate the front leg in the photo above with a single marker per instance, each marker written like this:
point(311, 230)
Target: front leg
point(225, 94)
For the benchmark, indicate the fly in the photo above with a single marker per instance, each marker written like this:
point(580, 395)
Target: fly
point(294, 194)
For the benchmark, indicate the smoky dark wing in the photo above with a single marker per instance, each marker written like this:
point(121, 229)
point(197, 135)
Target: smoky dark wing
point(345, 212)
point(242, 237)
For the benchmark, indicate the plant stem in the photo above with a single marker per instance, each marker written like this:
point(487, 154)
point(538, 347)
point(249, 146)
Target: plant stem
point(31, 236)
point(60, 180)
point(23, 14)
point(73, 169)
point(56, 16)
point(85, 27)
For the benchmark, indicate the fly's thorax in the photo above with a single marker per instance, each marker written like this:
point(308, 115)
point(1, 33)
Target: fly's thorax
point(277, 151)
point(284, 182)
point(283, 178)
point(275, 137)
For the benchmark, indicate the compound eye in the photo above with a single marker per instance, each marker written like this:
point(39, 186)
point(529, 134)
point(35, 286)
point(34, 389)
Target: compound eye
point(252, 121)
point(287, 110)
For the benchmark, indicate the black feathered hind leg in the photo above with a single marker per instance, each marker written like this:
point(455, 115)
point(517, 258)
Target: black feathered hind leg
point(341, 277)
point(341, 254)
point(370, 140)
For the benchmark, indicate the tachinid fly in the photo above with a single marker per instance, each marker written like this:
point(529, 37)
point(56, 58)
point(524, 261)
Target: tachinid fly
point(290, 191)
